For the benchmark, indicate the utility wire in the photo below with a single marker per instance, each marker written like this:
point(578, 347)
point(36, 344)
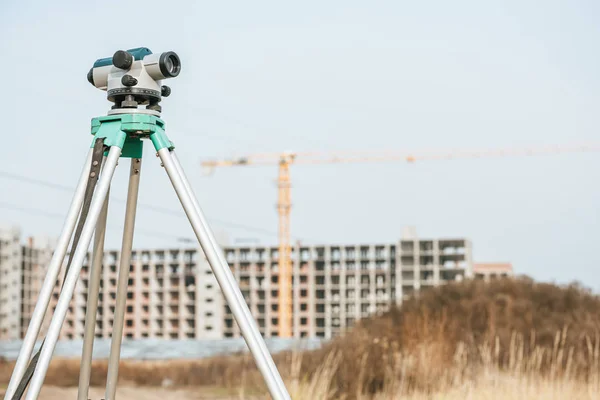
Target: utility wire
point(34, 181)
point(169, 211)
point(44, 213)
point(150, 207)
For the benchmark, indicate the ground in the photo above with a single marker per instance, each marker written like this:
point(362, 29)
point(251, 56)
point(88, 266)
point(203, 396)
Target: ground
point(137, 393)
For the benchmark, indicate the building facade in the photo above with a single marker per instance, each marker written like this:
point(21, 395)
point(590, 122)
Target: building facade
point(22, 269)
point(173, 294)
point(10, 283)
point(336, 285)
point(489, 271)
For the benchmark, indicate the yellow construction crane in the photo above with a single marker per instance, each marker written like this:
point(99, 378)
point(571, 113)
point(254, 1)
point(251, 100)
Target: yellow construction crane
point(284, 203)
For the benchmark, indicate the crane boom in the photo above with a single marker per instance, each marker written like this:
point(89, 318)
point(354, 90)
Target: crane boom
point(284, 203)
point(393, 156)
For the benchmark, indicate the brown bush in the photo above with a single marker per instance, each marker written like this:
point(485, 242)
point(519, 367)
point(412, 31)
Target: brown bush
point(447, 334)
point(503, 316)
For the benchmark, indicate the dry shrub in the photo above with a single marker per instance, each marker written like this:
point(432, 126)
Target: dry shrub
point(462, 335)
point(5, 369)
point(448, 332)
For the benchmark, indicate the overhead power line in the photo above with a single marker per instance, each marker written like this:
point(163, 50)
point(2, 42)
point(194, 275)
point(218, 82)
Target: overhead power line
point(35, 181)
point(149, 207)
point(47, 214)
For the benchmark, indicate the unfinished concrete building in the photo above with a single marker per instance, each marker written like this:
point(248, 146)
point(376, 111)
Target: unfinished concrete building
point(336, 285)
point(173, 294)
point(489, 271)
point(22, 270)
point(164, 297)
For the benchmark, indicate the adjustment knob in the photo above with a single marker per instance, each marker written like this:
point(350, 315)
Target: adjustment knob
point(165, 91)
point(128, 80)
point(122, 59)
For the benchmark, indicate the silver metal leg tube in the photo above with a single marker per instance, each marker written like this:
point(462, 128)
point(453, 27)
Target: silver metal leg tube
point(124, 264)
point(255, 332)
point(223, 261)
point(45, 294)
point(71, 280)
point(92, 304)
point(225, 278)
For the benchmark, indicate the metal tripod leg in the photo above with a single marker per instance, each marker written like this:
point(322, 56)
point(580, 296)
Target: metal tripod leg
point(56, 262)
point(224, 276)
point(124, 264)
point(92, 304)
point(71, 280)
point(223, 261)
point(255, 332)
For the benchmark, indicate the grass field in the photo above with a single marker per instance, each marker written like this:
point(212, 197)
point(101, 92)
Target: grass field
point(513, 339)
point(500, 387)
point(522, 381)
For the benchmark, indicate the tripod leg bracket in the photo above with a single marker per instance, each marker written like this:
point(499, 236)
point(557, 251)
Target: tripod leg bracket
point(160, 140)
point(127, 130)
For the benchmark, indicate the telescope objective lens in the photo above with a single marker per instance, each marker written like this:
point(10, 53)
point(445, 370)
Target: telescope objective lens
point(169, 64)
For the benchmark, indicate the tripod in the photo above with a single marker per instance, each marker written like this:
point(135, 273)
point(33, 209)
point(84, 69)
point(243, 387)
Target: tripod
point(120, 135)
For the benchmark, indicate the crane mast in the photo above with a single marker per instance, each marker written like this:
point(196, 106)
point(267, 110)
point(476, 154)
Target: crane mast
point(284, 205)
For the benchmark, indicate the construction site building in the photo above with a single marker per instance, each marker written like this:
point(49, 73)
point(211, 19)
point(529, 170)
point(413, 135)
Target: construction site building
point(489, 271)
point(22, 271)
point(173, 294)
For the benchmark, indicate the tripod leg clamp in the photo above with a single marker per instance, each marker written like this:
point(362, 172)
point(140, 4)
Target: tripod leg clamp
point(127, 131)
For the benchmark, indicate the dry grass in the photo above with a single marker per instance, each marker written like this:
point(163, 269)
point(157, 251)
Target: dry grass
point(490, 384)
point(507, 339)
point(511, 325)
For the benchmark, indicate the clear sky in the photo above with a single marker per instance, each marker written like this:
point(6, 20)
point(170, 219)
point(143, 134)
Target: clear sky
point(269, 76)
